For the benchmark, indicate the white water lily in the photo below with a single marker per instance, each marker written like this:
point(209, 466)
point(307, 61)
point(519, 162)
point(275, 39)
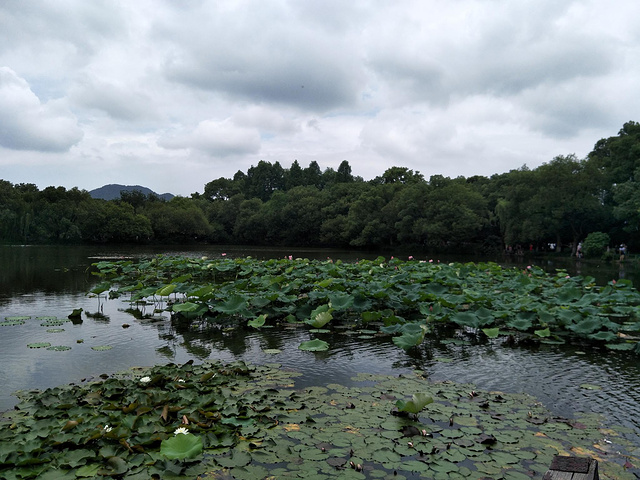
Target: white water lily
point(181, 380)
point(145, 379)
point(107, 429)
point(180, 430)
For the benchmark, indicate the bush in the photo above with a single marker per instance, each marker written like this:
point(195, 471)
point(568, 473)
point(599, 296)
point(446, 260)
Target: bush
point(595, 245)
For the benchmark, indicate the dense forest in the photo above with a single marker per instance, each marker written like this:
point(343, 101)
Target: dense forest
point(558, 203)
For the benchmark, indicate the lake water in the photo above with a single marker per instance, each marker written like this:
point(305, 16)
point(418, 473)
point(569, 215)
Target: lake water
point(52, 281)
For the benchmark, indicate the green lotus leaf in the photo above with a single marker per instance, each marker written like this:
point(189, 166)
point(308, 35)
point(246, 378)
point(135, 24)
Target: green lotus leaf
point(408, 340)
point(315, 345)
point(18, 318)
point(11, 323)
point(603, 335)
point(38, 345)
point(521, 324)
point(416, 404)
point(257, 322)
point(53, 323)
point(589, 386)
point(587, 326)
point(166, 290)
point(181, 446)
point(543, 333)
point(491, 332)
point(469, 319)
point(187, 307)
point(59, 348)
point(320, 316)
point(238, 458)
point(620, 346)
point(271, 351)
point(341, 301)
point(115, 466)
point(102, 348)
point(100, 288)
point(234, 304)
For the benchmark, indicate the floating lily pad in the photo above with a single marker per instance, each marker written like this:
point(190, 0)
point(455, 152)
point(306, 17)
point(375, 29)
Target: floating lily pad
point(271, 351)
point(11, 323)
point(18, 318)
point(589, 386)
point(59, 348)
point(315, 345)
point(39, 345)
point(102, 348)
point(55, 330)
point(53, 323)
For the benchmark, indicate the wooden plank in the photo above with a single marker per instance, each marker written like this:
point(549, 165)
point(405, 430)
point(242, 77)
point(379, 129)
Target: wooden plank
point(572, 468)
point(571, 464)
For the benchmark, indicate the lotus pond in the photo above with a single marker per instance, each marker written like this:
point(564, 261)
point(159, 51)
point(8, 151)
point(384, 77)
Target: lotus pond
point(325, 342)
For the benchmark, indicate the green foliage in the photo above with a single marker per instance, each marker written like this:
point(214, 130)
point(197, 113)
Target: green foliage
point(250, 422)
point(595, 245)
point(401, 299)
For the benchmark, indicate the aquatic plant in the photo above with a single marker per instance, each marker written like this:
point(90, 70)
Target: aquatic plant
point(241, 421)
point(406, 299)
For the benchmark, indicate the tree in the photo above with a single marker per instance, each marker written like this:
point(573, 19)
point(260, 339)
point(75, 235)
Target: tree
point(313, 175)
point(344, 173)
point(264, 179)
point(294, 176)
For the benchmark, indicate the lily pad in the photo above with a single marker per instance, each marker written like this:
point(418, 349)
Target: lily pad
point(38, 345)
point(181, 446)
point(11, 323)
point(102, 348)
point(315, 345)
point(59, 348)
point(589, 386)
point(271, 351)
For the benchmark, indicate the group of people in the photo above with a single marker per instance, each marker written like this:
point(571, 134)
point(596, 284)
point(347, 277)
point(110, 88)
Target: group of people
point(622, 250)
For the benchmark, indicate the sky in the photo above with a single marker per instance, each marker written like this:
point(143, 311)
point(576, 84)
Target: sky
point(173, 94)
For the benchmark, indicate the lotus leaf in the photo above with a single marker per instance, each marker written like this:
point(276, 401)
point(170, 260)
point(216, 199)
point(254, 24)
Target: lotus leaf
point(416, 404)
point(234, 304)
point(315, 345)
point(320, 316)
point(257, 322)
point(181, 446)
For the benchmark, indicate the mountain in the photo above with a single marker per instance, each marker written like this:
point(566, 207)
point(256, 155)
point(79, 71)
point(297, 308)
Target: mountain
point(112, 191)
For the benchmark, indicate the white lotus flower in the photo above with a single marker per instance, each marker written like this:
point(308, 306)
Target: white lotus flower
point(181, 430)
point(145, 379)
point(107, 429)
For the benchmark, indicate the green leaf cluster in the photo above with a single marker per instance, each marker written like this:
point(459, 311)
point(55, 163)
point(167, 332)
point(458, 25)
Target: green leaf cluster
point(406, 299)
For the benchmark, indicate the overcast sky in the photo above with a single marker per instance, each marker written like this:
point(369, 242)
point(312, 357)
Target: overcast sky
point(173, 94)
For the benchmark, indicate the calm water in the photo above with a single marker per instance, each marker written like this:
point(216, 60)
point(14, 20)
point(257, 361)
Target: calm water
point(52, 281)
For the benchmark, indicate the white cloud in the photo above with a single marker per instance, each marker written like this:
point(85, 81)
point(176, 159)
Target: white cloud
point(218, 139)
point(28, 124)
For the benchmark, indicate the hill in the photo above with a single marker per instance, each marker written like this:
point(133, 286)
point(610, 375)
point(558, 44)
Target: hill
point(112, 191)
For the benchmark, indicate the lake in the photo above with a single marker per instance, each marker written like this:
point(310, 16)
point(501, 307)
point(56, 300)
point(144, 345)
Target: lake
point(48, 281)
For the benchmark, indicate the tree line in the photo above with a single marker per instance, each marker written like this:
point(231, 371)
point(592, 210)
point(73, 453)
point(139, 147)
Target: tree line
point(558, 203)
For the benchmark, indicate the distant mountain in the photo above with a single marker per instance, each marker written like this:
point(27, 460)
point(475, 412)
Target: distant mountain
point(112, 192)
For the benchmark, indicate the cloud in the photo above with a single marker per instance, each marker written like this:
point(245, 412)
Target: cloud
point(215, 138)
point(28, 124)
point(122, 102)
point(261, 53)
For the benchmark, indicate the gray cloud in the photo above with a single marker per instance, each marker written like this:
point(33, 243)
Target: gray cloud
point(263, 55)
point(28, 124)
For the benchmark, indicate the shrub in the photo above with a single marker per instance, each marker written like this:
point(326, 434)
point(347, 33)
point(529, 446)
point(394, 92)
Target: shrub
point(595, 245)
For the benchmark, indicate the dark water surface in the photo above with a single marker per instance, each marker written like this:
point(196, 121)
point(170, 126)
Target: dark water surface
point(52, 281)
